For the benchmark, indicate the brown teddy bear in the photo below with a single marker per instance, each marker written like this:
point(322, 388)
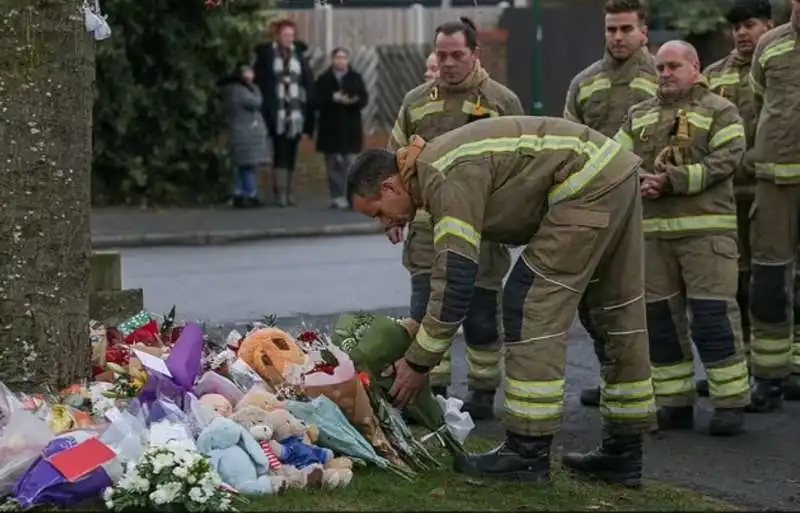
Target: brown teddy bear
point(272, 353)
point(259, 398)
point(218, 403)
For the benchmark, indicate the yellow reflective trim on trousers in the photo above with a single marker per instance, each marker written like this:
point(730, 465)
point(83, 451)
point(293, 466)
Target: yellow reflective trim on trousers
point(673, 379)
point(458, 228)
point(690, 224)
point(430, 344)
point(776, 50)
point(644, 120)
point(668, 372)
point(483, 356)
point(587, 90)
point(730, 78)
point(645, 85)
point(726, 135)
point(796, 356)
point(419, 112)
point(477, 110)
point(755, 86)
point(698, 120)
point(766, 352)
point(625, 140)
point(576, 182)
point(533, 411)
point(697, 177)
point(728, 381)
point(535, 389)
point(398, 135)
point(442, 369)
point(628, 410)
point(780, 170)
point(634, 390)
point(482, 371)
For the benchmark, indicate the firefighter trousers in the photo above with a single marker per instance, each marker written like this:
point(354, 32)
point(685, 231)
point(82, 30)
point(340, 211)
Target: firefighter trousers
point(480, 327)
point(744, 203)
point(592, 247)
point(699, 272)
point(775, 339)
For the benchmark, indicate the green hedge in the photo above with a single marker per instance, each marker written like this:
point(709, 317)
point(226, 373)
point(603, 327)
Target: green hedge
point(157, 115)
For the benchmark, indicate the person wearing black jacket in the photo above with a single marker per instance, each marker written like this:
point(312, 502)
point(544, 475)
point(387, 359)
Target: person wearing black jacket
point(284, 77)
point(340, 94)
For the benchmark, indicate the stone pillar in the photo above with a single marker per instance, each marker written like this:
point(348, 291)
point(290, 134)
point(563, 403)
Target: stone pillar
point(109, 303)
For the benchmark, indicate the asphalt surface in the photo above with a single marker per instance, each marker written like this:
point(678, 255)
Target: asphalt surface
point(311, 280)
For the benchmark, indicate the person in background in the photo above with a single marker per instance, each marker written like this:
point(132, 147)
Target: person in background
point(283, 74)
point(248, 141)
point(431, 67)
point(340, 94)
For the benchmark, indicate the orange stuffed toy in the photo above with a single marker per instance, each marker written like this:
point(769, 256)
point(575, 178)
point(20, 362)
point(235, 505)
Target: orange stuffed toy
point(271, 352)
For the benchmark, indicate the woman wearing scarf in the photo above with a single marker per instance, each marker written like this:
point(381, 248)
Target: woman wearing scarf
point(286, 82)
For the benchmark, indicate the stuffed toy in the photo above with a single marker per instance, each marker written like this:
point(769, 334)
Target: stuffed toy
point(289, 444)
point(256, 421)
point(259, 398)
point(237, 457)
point(271, 353)
point(218, 403)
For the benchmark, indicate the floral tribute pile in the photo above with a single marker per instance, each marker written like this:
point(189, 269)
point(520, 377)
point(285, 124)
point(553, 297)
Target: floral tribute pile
point(175, 419)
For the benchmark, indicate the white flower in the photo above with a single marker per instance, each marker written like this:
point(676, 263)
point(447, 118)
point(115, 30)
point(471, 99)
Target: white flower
point(166, 493)
point(162, 461)
point(191, 479)
point(225, 504)
point(108, 497)
point(140, 484)
point(198, 495)
point(181, 472)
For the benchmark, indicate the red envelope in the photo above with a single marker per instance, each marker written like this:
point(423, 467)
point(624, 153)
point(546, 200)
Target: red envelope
point(75, 463)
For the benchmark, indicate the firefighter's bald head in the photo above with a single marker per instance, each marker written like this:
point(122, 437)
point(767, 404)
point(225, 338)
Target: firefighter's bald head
point(678, 67)
point(375, 189)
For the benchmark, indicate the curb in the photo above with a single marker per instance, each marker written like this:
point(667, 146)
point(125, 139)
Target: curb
point(223, 237)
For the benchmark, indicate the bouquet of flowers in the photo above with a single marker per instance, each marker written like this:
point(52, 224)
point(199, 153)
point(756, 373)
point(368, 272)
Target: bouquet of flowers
point(171, 477)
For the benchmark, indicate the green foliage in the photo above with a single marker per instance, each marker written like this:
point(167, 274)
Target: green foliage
point(690, 17)
point(157, 115)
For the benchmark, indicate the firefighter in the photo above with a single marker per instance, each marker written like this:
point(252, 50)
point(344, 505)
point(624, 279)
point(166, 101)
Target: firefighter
point(570, 195)
point(461, 92)
point(600, 96)
point(774, 348)
point(728, 77)
point(691, 142)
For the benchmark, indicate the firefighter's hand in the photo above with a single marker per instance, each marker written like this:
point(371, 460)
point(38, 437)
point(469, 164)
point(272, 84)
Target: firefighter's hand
point(653, 185)
point(411, 326)
point(395, 234)
point(407, 383)
point(662, 159)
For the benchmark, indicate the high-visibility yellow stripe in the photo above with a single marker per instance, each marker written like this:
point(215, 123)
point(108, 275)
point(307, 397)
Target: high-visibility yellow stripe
point(451, 226)
point(533, 411)
point(698, 120)
point(398, 135)
point(576, 182)
point(483, 356)
point(553, 389)
point(477, 110)
point(625, 140)
point(730, 78)
point(690, 223)
point(644, 120)
point(754, 85)
point(697, 177)
point(728, 381)
point(675, 371)
point(643, 84)
point(587, 90)
point(634, 390)
point(726, 135)
point(796, 358)
point(628, 410)
point(778, 171)
point(765, 352)
point(775, 50)
point(431, 344)
point(419, 112)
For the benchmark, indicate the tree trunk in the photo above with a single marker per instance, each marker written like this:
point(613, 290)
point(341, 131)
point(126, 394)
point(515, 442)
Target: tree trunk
point(46, 95)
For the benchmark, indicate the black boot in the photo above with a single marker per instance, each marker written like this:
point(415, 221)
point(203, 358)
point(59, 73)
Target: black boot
point(480, 404)
point(701, 386)
point(617, 461)
point(675, 418)
point(791, 388)
point(519, 458)
point(590, 397)
point(238, 202)
point(766, 395)
point(726, 422)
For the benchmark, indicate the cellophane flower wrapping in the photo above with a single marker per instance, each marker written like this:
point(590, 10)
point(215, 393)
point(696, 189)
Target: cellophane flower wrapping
point(171, 477)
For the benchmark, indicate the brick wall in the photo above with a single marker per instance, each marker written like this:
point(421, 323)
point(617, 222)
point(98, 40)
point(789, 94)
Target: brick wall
point(311, 180)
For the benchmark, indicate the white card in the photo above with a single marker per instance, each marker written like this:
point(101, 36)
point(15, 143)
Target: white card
point(153, 363)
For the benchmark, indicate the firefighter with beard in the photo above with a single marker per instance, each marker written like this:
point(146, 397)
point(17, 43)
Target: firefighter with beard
point(571, 196)
point(728, 77)
point(600, 96)
point(691, 142)
point(461, 93)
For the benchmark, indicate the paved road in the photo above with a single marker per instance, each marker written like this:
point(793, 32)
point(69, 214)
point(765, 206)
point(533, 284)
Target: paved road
point(311, 280)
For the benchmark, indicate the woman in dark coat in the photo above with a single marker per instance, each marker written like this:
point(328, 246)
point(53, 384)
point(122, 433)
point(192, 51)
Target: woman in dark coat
point(287, 84)
point(340, 94)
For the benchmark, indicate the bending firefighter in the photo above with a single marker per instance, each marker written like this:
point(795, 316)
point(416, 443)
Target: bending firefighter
point(600, 96)
point(571, 196)
point(691, 142)
point(728, 77)
point(775, 339)
point(462, 92)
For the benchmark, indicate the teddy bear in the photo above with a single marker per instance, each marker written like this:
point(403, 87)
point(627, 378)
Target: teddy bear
point(256, 421)
point(218, 403)
point(259, 398)
point(271, 353)
point(289, 445)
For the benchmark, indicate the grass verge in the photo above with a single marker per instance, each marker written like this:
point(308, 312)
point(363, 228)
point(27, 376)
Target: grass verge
point(444, 490)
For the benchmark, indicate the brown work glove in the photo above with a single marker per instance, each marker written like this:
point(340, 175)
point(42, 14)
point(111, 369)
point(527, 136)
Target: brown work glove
point(411, 326)
point(669, 156)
